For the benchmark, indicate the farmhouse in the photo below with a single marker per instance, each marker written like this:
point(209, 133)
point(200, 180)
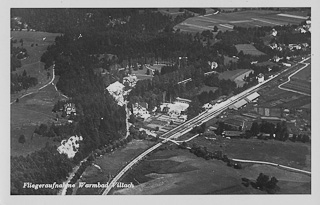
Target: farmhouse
point(260, 78)
point(70, 108)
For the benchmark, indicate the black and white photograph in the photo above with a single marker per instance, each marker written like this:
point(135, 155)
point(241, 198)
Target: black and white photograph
point(171, 100)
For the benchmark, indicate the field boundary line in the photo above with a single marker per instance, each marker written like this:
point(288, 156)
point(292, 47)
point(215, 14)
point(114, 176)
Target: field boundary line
point(289, 79)
point(272, 164)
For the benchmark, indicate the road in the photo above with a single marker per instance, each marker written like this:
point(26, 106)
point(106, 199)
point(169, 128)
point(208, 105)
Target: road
point(289, 78)
point(53, 77)
point(197, 121)
point(272, 164)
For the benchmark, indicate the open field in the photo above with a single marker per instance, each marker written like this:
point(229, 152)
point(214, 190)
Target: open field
point(29, 113)
point(252, 18)
point(298, 85)
point(32, 64)
point(286, 153)
point(301, 81)
point(176, 171)
point(235, 75)
point(248, 49)
point(304, 74)
point(110, 164)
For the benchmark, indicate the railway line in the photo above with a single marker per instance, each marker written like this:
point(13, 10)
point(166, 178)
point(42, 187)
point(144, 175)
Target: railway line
point(198, 120)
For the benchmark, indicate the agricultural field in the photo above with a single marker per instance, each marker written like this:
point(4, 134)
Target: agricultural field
point(298, 85)
point(252, 18)
point(249, 49)
point(175, 171)
point(304, 74)
point(284, 153)
point(29, 113)
point(301, 81)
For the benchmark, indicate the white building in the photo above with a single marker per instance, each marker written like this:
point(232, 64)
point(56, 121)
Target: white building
point(116, 89)
point(260, 78)
point(131, 80)
point(274, 32)
point(140, 110)
point(70, 147)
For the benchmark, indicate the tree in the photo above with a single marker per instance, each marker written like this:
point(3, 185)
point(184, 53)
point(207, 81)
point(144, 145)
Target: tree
point(254, 128)
point(24, 74)
point(22, 139)
point(215, 29)
point(262, 181)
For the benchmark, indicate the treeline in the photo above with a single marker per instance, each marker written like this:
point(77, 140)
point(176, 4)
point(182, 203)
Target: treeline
point(21, 82)
point(42, 167)
point(263, 183)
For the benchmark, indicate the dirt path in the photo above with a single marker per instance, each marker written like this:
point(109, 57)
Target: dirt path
point(53, 77)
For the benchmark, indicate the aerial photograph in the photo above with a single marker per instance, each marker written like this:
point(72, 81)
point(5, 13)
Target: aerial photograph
point(160, 101)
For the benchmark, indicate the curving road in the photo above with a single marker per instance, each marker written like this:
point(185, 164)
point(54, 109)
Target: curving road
point(53, 77)
point(289, 79)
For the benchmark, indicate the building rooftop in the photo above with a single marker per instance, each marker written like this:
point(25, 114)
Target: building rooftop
point(252, 96)
point(238, 104)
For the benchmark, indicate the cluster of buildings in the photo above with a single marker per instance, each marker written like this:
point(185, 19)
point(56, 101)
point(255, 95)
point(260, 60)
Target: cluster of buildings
point(70, 109)
point(251, 98)
point(140, 110)
point(177, 109)
point(130, 80)
point(70, 146)
point(306, 27)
